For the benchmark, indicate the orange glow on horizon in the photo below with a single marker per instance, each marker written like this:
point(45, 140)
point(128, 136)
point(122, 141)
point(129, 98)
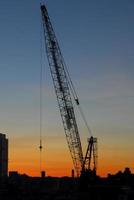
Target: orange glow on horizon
point(58, 170)
point(56, 161)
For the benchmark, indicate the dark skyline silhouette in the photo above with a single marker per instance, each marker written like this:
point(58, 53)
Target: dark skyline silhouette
point(114, 187)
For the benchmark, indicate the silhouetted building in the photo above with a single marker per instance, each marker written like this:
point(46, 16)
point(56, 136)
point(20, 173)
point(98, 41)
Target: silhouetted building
point(43, 174)
point(72, 173)
point(13, 174)
point(3, 155)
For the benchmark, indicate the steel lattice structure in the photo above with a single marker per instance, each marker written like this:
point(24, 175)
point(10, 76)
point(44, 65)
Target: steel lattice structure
point(91, 155)
point(61, 85)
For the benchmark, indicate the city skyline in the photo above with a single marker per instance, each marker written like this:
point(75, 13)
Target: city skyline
point(96, 39)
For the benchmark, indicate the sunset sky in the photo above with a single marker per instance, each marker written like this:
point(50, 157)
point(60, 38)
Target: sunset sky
point(97, 41)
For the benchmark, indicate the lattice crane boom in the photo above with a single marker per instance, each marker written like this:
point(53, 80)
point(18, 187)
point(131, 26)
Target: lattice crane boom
point(61, 85)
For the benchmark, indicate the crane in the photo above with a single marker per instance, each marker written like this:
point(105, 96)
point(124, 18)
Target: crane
point(62, 89)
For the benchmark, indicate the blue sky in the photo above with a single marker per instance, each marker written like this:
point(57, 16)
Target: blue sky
point(97, 42)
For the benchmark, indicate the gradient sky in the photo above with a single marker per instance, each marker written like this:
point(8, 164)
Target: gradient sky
point(97, 41)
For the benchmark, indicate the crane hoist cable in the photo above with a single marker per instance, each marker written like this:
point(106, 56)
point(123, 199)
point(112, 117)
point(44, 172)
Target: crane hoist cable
point(41, 92)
